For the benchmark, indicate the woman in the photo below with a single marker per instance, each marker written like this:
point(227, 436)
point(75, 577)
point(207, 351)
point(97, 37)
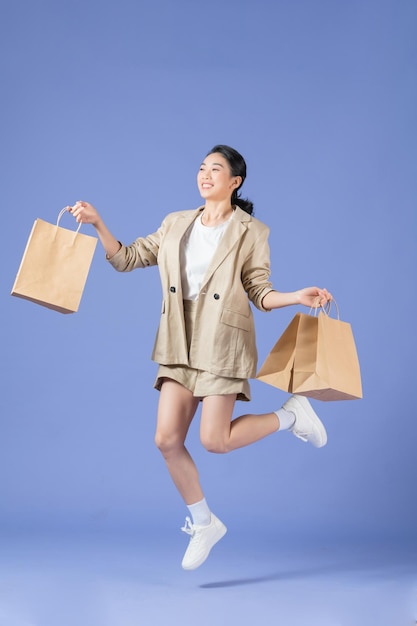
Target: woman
point(212, 261)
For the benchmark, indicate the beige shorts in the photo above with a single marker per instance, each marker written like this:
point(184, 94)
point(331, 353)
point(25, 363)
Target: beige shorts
point(200, 382)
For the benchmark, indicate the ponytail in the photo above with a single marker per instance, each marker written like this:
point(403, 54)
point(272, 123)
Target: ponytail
point(243, 203)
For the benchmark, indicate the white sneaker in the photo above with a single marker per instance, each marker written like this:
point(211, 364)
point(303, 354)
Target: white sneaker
point(307, 425)
point(203, 538)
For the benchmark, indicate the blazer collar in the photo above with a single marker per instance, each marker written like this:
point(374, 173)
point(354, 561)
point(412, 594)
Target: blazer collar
point(180, 226)
point(235, 230)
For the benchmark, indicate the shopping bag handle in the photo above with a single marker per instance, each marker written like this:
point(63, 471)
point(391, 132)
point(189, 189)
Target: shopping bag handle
point(61, 213)
point(326, 309)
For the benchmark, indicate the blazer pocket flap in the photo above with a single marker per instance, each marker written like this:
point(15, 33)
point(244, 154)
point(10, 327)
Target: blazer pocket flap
point(233, 318)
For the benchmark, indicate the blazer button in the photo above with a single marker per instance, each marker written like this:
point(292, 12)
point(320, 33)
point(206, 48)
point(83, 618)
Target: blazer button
point(216, 296)
point(172, 289)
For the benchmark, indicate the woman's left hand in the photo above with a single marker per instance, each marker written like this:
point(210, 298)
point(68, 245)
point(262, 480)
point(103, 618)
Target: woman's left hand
point(314, 297)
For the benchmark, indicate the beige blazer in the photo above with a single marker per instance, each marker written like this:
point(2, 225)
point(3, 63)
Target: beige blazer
point(223, 341)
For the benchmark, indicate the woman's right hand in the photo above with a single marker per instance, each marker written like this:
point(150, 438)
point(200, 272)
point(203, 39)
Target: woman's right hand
point(84, 212)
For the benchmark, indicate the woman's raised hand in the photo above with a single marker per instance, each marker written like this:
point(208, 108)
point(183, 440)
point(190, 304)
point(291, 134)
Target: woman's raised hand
point(84, 212)
point(314, 297)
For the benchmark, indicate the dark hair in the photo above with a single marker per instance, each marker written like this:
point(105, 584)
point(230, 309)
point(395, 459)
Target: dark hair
point(238, 168)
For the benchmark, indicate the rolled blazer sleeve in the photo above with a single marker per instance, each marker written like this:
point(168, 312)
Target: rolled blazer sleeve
point(256, 271)
point(143, 252)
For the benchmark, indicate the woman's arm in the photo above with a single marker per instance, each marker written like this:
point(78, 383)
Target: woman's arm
point(309, 296)
point(86, 213)
point(255, 279)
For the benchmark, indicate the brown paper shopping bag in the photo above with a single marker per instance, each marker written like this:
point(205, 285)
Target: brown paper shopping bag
point(325, 364)
point(54, 267)
point(278, 366)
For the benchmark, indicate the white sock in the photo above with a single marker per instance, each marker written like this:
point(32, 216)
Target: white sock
point(200, 513)
point(286, 419)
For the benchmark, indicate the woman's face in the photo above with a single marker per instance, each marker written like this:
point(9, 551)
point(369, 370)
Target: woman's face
point(214, 179)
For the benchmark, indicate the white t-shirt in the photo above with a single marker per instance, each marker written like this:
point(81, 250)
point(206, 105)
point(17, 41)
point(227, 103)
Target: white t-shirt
point(197, 249)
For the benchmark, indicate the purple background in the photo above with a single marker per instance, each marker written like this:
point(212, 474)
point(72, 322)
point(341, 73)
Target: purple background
point(117, 103)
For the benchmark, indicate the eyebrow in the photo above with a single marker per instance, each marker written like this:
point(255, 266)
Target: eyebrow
point(219, 164)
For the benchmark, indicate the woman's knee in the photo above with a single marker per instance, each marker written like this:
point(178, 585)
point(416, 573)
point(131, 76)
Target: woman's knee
point(168, 442)
point(214, 443)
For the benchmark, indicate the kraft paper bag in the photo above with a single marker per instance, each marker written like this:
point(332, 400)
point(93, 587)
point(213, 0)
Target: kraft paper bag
point(324, 365)
point(278, 366)
point(54, 266)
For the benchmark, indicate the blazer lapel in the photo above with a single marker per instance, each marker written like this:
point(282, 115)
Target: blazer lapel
point(173, 243)
point(233, 233)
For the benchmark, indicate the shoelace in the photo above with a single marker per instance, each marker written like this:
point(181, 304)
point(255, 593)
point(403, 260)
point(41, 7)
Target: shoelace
point(188, 527)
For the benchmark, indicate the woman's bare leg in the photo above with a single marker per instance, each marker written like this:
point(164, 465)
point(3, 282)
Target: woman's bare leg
point(176, 409)
point(219, 433)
